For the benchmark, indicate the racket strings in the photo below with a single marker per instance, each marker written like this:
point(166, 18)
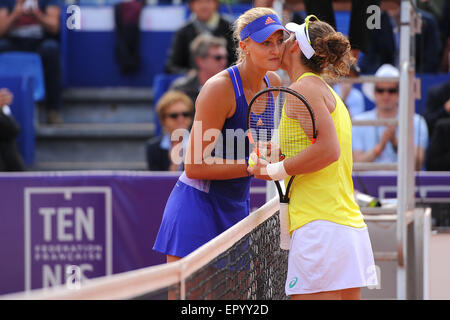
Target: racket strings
point(280, 125)
point(263, 122)
point(296, 127)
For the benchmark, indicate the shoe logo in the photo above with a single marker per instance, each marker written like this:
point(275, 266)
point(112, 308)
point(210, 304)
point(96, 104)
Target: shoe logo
point(260, 122)
point(293, 282)
point(269, 20)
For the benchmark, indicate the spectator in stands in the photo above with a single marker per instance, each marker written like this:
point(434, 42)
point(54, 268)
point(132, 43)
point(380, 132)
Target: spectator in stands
point(438, 104)
point(352, 97)
point(377, 143)
point(204, 19)
point(31, 25)
point(10, 158)
point(438, 155)
point(210, 57)
point(294, 11)
point(384, 47)
point(127, 49)
point(435, 7)
point(440, 9)
point(445, 35)
point(175, 111)
point(263, 3)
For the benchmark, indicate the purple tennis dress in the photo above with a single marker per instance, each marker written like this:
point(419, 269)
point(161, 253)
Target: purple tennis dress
point(199, 210)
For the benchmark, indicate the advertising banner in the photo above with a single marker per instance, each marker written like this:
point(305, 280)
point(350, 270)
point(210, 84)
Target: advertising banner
point(67, 229)
point(60, 228)
point(64, 227)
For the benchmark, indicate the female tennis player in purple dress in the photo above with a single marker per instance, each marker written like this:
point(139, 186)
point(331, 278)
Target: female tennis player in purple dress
point(212, 194)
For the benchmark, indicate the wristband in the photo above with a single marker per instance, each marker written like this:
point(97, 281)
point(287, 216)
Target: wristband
point(277, 171)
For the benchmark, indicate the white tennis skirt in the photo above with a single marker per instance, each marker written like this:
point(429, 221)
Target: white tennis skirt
point(326, 256)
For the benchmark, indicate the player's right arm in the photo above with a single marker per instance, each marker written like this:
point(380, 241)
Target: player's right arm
point(215, 103)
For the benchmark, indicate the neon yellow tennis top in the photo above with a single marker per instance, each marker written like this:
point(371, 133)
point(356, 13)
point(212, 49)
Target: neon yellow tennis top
point(326, 194)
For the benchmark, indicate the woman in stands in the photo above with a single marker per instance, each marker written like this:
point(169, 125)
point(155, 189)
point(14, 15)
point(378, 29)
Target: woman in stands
point(212, 194)
point(175, 110)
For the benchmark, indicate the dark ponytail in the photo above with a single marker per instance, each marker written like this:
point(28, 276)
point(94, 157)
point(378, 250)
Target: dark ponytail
point(332, 56)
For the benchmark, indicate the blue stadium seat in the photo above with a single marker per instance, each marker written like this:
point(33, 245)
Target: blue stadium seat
point(161, 82)
point(342, 21)
point(24, 64)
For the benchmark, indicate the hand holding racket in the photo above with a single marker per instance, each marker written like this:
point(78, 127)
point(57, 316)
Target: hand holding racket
point(268, 152)
point(280, 125)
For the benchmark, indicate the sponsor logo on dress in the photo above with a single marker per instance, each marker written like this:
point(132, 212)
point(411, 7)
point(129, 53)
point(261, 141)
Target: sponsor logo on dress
point(293, 282)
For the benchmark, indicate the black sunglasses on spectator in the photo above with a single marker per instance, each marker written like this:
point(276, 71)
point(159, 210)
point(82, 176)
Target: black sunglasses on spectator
point(219, 57)
point(175, 115)
point(390, 90)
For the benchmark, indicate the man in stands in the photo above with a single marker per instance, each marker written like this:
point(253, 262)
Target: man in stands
point(204, 19)
point(210, 57)
point(380, 144)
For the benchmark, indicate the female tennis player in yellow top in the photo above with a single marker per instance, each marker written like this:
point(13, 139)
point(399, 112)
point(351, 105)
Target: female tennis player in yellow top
point(330, 251)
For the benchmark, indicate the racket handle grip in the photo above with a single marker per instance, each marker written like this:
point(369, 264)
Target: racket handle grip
point(285, 238)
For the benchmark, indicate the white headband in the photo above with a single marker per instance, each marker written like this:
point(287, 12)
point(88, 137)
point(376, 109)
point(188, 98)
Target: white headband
point(302, 38)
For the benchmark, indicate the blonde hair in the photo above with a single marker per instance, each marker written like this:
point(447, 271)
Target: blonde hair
point(169, 98)
point(243, 20)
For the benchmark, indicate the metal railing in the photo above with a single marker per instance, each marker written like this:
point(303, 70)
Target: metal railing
point(405, 165)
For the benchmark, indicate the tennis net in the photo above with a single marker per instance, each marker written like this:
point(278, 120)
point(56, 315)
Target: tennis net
point(243, 263)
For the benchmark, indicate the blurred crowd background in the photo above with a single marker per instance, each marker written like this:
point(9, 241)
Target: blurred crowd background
point(102, 84)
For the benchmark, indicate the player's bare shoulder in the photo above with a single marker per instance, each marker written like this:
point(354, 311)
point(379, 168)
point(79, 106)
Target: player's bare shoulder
point(219, 84)
point(310, 84)
point(316, 91)
point(217, 89)
point(274, 79)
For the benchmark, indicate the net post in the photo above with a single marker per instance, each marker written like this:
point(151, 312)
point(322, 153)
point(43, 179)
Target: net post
point(182, 273)
point(271, 190)
point(405, 176)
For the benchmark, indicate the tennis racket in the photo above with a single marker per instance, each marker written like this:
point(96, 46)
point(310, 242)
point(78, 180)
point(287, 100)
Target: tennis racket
point(280, 124)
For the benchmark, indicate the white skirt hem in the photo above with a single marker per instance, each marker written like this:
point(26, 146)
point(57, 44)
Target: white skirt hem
point(325, 256)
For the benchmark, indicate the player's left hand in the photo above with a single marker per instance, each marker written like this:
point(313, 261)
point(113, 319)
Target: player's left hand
point(269, 151)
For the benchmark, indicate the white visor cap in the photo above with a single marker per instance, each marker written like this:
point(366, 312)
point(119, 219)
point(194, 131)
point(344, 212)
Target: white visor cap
point(302, 37)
